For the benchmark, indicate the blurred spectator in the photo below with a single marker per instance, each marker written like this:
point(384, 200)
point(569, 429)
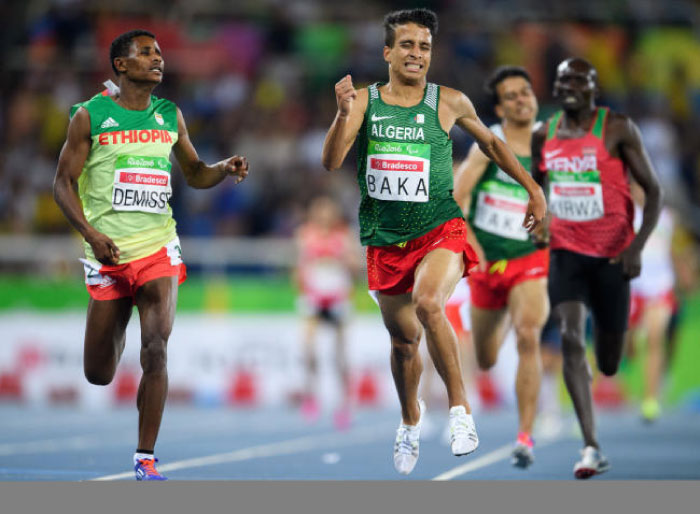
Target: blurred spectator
point(258, 77)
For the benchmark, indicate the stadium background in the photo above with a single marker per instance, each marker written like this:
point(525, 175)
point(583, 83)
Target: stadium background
point(256, 78)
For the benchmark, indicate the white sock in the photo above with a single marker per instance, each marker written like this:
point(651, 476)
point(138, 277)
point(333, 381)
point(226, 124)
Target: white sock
point(139, 456)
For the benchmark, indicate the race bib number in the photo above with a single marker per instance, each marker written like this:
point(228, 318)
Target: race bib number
point(576, 196)
point(398, 172)
point(500, 210)
point(141, 184)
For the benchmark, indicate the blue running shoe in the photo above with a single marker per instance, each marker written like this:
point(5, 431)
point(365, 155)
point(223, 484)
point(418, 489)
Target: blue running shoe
point(146, 470)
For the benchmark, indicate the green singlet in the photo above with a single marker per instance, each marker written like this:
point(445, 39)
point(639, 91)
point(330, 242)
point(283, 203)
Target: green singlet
point(125, 184)
point(404, 169)
point(497, 211)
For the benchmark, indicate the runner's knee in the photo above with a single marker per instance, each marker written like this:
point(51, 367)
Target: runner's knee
point(608, 366)
point(486, 359)
point(154, 355)
point(403, 348)
point(608, 359)
point(428, 307)
point(527, 336)
point(573, 344)
point(98, 375)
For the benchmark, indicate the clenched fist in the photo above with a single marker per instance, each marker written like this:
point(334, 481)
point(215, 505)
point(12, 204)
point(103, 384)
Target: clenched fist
point(345, 94)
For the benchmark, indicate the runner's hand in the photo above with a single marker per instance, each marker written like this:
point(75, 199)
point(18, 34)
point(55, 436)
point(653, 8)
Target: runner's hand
point(631, 259)
point(237, 167)
point(540, 235)
point(345, 94)
point(104, 248)
point(536, 210)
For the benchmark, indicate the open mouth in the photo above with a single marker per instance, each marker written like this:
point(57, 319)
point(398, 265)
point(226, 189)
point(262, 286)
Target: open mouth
point(413, 67)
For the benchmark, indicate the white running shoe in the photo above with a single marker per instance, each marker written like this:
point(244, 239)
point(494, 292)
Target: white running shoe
point(592, 463)
point(463, 438)
point(407, 443)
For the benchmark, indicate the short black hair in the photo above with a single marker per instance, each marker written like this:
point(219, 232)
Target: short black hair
point(499, 75)
point(423, 17)
point(122, 43)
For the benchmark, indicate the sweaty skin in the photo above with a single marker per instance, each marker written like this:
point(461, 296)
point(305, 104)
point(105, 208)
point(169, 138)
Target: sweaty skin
point(527, 304)
point(407, 316)
point(138, 74)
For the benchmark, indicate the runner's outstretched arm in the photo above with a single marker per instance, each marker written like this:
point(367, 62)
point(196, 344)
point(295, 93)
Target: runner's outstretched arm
point(197, 173)
point(635, 157)
point(70, 166)
point(498, 151)
point(348, 120)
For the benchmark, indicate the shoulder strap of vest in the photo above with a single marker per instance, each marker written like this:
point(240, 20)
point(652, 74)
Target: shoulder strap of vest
point(431, 96)
point(373, 92)
point(553, 123)
point(599, 124)
point(497, 129)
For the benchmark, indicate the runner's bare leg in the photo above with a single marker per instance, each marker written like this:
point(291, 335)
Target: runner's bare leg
point(436, 278)
point(529, 307)
point(156, 301)
point(406, 367)
point(105, 337)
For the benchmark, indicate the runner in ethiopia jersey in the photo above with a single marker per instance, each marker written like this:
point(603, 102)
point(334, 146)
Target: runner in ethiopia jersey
point(409, 221)
point(510, 283)
point(583, 153)
point(117, 153)
point(327, 260)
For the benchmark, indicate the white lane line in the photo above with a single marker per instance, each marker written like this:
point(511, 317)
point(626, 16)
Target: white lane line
point(500, 453)
point(52, 445)
point(291, 446)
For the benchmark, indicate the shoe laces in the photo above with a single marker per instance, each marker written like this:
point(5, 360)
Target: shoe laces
point(460, 427)
point(149, 466)
point(404, 444)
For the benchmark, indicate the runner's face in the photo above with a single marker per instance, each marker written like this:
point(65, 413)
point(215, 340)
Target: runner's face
point(409, 58)
point(144, 62)
point(575, 86)
point(324, 212)
point(517, 102)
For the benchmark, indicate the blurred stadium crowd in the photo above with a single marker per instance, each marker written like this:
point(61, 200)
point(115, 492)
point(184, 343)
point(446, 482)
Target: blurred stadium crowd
point(256, 78)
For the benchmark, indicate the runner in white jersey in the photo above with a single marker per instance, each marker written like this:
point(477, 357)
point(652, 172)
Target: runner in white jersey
point(117, 154)
point(652, 304)
point(327, 260)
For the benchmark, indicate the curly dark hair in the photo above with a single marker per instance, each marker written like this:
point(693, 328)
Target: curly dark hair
point(121, 44)
point(423, 17)
point(499, 75)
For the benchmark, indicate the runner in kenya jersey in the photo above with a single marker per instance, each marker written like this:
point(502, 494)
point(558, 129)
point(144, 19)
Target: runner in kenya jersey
point(583, 154)
point(118, 154)
point(415, 236)
point(510, 283)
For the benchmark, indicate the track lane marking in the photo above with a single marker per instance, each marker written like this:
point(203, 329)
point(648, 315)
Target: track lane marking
point(288, 447)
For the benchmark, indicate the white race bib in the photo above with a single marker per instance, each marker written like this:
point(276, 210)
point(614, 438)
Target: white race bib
point(327, 276)
point(141, 184)
point(576, 196)
point(398, 171)
point(500, 210)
